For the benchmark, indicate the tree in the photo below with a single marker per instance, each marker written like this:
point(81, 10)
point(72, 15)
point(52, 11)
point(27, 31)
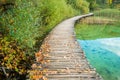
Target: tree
point(92, 4)
point(109, 2)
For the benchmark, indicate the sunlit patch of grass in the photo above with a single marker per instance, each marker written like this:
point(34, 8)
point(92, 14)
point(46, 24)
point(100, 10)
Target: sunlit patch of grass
point(104, 24)
point(85, 31)
point(97, 20)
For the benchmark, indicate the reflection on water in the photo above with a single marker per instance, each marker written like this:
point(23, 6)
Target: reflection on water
point(104, 55)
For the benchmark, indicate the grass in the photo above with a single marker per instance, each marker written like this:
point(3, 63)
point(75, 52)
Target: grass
point(99, 26)
point(98, 20)
point(87, 32)
point(105, 24)
point(108, 13)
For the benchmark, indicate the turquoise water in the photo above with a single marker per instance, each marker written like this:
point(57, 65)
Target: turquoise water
point(104, 55)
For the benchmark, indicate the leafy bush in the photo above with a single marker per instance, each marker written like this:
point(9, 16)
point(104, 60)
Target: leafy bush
point(12, 59)
point(21, 23)
point(6, 4)
point(52, 12)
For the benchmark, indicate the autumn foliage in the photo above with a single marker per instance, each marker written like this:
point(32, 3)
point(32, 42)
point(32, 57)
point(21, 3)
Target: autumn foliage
point(12, 60)
point(39, 67)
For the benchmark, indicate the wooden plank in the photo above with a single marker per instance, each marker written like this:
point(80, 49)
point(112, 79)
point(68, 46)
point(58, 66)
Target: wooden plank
point(67, 59)
point(73, 76)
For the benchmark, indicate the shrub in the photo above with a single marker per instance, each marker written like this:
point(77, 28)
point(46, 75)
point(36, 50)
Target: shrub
point(52, 12)
point(12, 59)
point(6, 4)
point(21, 22)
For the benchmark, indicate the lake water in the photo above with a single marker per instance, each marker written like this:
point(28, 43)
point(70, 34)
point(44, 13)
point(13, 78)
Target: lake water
point(104, 55)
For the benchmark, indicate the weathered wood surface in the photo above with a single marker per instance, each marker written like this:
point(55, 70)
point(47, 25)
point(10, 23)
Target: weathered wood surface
point(67, 60)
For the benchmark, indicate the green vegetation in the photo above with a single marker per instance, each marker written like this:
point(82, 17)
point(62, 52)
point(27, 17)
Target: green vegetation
point(103, 4)
point(105, 24)
point(80, 5)
point(108, 13)
point(25, 23)
point(85, 31)
point(23, 26)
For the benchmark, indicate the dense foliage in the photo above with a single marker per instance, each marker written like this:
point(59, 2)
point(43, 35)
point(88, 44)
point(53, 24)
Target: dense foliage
point(14, 62)
point(102, 4)
point(23, 26)
point(81, 5)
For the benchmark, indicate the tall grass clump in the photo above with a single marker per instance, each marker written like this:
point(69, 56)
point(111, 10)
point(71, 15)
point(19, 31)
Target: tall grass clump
point(104, 24)
point(109, 13)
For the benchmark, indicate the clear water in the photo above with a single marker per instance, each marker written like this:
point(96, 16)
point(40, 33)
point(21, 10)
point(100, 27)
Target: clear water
point(104, 55)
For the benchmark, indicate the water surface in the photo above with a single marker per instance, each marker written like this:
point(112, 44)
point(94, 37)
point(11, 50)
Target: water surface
point(104, 55)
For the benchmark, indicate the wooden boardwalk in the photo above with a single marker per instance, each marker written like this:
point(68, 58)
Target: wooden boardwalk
point(67, 60)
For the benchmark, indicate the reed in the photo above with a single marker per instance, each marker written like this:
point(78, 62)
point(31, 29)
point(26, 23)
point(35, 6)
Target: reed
point(104, 24)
